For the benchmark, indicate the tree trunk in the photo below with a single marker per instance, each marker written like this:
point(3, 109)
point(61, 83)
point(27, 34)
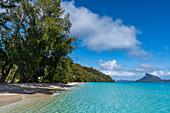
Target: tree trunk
point(21, 76)
point(24, 79)
point(3, 69)
point(4, 75)
point(13, 79)
point(30, 77)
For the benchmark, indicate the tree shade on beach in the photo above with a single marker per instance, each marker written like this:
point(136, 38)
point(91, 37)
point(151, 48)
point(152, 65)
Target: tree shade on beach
point(35, 42)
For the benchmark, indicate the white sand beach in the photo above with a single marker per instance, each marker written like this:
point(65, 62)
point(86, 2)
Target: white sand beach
point(12, 93)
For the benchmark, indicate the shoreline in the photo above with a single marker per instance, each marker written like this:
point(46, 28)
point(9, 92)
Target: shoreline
point(15, 94)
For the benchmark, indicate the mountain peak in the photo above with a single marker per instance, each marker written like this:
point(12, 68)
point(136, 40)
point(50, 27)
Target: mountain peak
point(149, 78)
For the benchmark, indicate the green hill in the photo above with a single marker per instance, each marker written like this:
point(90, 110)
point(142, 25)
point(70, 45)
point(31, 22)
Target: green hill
point(88, 74)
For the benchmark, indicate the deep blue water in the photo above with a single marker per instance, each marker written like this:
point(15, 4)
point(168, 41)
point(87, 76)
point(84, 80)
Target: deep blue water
point(109, 98)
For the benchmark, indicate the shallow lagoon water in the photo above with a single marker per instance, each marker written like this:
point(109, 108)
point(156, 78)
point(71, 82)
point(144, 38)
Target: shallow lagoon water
point(107, 98)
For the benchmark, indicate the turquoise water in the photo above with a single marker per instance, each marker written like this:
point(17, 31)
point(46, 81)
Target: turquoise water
point(108, 98)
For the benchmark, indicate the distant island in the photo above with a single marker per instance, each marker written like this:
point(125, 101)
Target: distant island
point(147, 78)
point(151, 78)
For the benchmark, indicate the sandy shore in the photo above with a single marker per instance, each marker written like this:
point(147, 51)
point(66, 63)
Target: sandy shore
point(8, 99)
point(12, 93)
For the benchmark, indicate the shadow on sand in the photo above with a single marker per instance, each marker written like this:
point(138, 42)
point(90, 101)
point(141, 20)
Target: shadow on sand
point(32, 88)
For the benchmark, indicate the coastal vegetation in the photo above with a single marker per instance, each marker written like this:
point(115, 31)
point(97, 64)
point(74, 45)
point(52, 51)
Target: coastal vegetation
point(35, 43)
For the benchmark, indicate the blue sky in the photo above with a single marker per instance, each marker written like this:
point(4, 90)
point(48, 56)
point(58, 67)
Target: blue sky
point(124, 39)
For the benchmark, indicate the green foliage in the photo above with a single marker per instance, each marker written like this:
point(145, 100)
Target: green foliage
point(37, 39)
point(86, 74)
point(67, 71)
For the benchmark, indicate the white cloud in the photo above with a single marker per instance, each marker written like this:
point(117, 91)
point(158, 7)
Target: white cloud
point(145, 68)
point(110, 65)
point(120, 74)
point(161, 73)
point(113, 69)
point(103, 33)
point(117, 71)
point(158, 73)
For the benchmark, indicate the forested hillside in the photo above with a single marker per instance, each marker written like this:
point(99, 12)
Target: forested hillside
point(86, 74)
point(75, 73)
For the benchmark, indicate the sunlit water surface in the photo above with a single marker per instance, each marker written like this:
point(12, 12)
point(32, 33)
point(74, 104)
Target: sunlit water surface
point(107, 98)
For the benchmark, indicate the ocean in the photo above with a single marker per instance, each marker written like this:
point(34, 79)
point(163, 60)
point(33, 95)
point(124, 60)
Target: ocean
point(108, 98)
